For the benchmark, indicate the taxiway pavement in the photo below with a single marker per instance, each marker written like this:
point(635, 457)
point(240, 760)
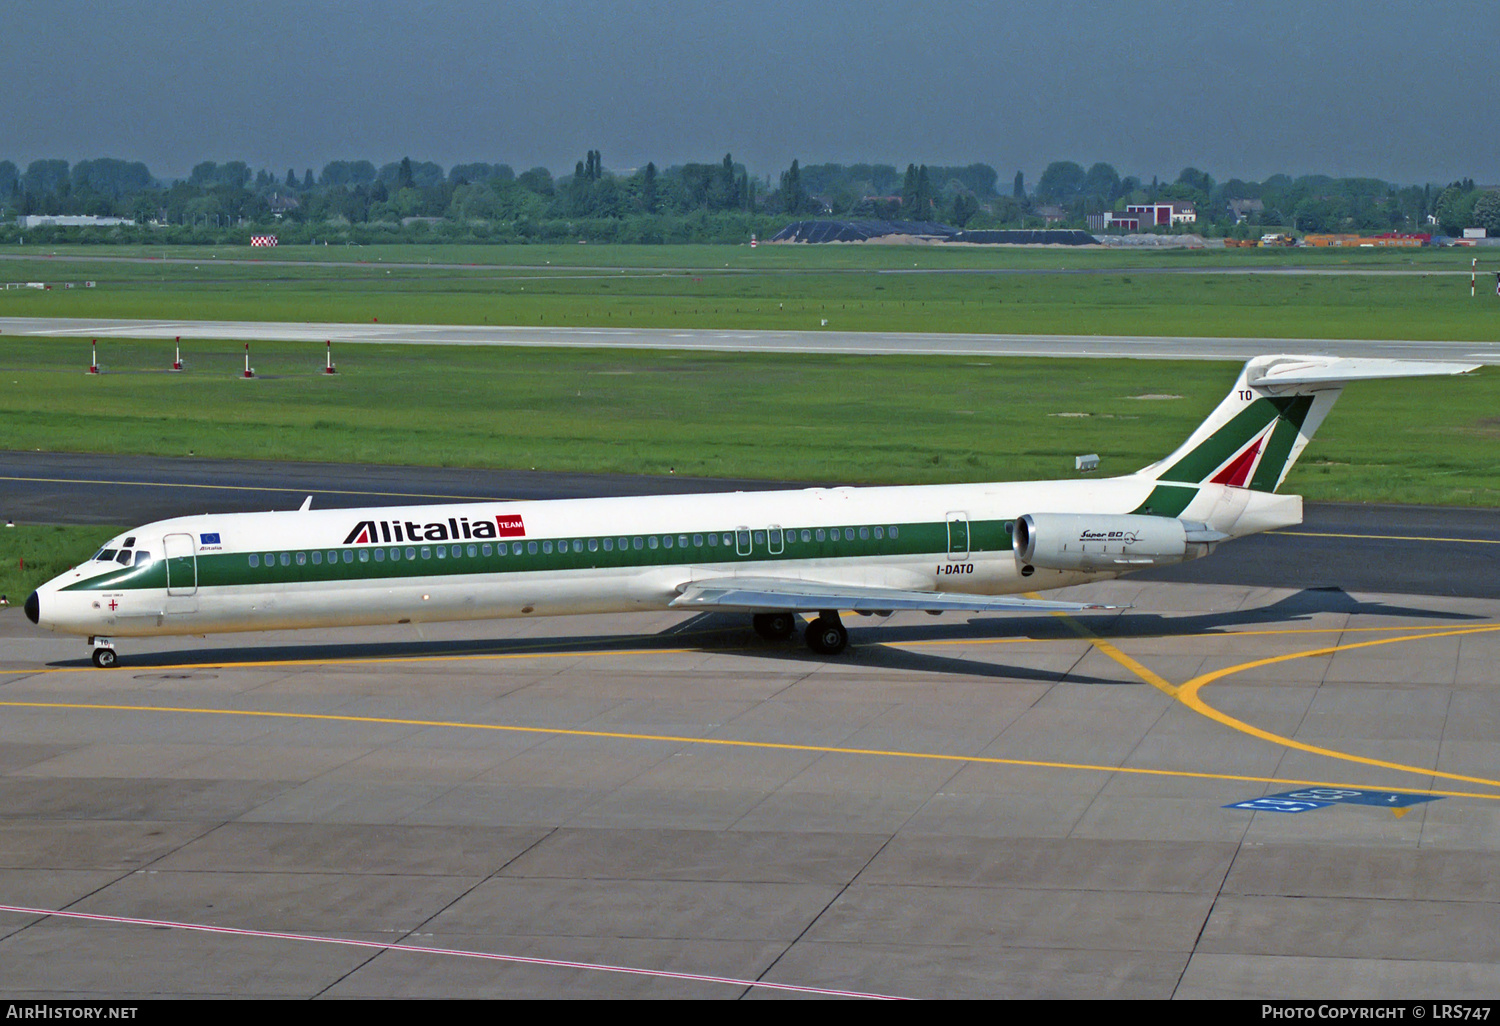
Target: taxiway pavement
point(991, 807)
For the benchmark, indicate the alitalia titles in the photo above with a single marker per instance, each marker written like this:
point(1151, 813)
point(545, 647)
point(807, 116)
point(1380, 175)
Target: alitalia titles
point(383, 532)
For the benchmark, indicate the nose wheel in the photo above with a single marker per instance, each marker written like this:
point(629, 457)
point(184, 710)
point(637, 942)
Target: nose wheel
point(105, 656)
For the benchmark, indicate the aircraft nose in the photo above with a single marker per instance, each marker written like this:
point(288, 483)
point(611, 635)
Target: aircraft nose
point(33, 608)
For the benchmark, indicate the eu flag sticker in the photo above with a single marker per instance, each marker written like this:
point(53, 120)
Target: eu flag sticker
point(209, 539)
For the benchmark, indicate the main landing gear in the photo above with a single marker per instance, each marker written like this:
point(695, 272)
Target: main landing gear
point(774, 626)
point(104, 653)
point(826, 635)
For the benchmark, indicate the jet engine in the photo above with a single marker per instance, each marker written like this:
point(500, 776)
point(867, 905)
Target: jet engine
point(1109, 541)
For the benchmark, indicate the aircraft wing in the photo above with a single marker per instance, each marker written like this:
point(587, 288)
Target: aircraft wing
point(780, 595)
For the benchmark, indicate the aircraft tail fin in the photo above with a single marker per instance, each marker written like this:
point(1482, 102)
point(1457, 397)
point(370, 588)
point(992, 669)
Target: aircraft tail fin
point(1255, 435)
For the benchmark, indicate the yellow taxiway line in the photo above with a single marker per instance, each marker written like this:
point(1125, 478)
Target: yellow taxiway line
point(1188, 695)
point(675, 739)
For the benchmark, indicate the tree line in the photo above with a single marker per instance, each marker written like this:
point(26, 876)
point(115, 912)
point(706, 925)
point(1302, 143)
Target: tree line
point(354, 200)
point(1309, 203)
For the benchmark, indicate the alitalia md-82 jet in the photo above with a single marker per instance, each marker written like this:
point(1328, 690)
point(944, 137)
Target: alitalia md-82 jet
point(773, 555)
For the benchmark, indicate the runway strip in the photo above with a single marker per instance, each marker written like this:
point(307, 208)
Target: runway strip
point(823, 341)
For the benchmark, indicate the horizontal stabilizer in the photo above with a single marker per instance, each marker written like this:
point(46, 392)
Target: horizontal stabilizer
point(1260, 428)
point(1278, 372)
point(775, 595)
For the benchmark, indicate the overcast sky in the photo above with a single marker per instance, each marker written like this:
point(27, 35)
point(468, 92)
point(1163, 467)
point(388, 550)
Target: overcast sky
point(1405, 91)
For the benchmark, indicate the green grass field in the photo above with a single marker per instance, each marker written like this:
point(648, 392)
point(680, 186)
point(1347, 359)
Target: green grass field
point(851, 288)
point(863, 257)
point(784, 416)
point(859, 257)
point(33, 553)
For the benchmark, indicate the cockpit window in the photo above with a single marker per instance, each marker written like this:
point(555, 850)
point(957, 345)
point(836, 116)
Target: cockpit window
point(106, 555)
point(130, 542)
point(123, 558)
point(142, 558)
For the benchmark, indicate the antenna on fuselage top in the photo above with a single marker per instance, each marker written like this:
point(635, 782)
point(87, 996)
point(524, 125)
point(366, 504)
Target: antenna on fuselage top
point(306, 505)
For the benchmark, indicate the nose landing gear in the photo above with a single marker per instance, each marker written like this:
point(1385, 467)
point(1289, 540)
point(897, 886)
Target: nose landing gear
point(104, 653)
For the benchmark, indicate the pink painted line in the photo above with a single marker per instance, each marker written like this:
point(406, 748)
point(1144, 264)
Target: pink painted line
point(489, 955)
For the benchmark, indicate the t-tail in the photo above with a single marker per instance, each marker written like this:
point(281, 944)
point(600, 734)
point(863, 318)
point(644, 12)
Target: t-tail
point(1255, 435)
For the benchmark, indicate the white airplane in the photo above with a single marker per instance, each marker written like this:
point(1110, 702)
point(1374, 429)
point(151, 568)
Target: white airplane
point(968, 547)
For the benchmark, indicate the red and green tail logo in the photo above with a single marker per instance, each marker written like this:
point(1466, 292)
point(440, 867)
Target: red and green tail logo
point(1253, 449)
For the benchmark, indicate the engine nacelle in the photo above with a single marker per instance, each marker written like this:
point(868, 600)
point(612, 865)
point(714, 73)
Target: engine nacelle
point(1109, 541)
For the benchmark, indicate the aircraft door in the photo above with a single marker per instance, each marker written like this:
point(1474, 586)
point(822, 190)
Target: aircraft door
point(958, 535)
point(182, 564)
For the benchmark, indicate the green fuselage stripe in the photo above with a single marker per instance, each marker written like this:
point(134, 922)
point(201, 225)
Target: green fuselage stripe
point(1167, 500)
point(233, 569)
